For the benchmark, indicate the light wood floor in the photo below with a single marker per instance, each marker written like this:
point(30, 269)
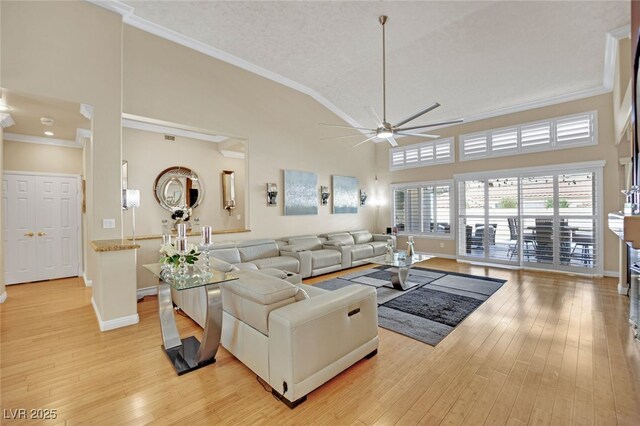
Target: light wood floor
point(545, 349)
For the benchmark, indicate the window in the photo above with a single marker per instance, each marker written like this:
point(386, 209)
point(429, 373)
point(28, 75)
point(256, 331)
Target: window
point(423, 154)
point(546, 217)
point(422, 208)
point(558, 133)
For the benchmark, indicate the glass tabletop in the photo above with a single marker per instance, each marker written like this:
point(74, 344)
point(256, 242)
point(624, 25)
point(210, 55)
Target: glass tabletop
point(400, 259)
point(193, 280)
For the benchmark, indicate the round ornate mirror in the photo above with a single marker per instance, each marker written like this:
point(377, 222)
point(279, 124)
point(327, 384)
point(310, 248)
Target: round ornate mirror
point(178, 187)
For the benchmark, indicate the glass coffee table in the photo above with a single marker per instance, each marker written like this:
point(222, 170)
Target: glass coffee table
point(402, 264)
point(189, 354)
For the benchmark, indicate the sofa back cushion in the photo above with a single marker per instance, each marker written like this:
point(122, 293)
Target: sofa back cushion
point(362, 237)
point(306, 243)
point(227, 253)
point(342, 238)
point(258, 249)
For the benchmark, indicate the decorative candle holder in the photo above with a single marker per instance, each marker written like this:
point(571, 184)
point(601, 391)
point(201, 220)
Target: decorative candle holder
point(182, 247)
point(182, 230)
point(206, 244)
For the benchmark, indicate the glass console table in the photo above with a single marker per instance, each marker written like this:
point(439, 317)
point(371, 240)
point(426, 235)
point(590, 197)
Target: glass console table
point(400, 277)
point(189, 354)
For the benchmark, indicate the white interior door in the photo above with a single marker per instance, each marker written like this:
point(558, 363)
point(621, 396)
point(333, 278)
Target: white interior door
point(19, 228)
point(57, 227)
point(41, 227)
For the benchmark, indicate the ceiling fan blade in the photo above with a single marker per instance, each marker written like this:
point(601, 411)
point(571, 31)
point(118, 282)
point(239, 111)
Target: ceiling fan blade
point(416, 115)
point(372, 113)
point(366, 140)
point(347, 127)
point(441, 123)
point(420, 135)
point(392, 141)
point(340, 137)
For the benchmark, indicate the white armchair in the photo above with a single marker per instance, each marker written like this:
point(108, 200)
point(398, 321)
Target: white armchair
point(297, 337)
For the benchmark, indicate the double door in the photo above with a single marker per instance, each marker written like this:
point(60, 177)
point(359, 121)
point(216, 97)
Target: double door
point(40, 227)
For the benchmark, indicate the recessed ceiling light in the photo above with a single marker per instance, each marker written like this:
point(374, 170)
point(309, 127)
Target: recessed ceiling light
point(48, 133)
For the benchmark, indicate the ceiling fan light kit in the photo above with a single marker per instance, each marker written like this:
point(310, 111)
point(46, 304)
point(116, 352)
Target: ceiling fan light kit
point(384, 129)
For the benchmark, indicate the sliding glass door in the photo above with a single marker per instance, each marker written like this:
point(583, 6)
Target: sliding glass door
point(544, 220)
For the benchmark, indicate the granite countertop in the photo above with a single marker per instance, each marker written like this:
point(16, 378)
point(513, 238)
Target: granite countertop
point(100, 246)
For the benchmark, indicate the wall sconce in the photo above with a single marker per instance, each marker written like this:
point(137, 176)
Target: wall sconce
point(363, 197)
point(324, 195)
point(228, 190)
point(272, 194)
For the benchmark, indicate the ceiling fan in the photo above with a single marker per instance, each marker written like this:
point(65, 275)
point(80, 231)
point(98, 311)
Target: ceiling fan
point(384, 129)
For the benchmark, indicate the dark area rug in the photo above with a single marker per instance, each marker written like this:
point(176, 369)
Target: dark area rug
point(429, 311)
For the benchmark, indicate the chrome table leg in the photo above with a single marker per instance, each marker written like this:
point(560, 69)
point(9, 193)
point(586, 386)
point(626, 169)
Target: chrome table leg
point(400, 279)
point(189, 354)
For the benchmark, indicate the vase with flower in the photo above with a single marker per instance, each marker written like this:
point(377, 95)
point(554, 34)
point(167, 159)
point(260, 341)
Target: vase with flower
point(170, 257)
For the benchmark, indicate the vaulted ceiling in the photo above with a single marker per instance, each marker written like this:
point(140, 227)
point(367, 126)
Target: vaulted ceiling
point(472, 57)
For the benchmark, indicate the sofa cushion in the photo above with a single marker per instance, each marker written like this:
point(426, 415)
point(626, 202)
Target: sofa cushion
point(286, 263)
point(361, 237)
point(227, 254)
point(246, 266)
point(305, 243)
point(343, 239)
point(325, 257)
point(379, 247)
point(260, 288)
point(258, 249)
point(220, 265)
point(361, 251)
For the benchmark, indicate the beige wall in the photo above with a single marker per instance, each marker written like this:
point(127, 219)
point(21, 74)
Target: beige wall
point(165, 81)
point(30, 157)
point(80, 46)
point(605, 150)
point(149, 154)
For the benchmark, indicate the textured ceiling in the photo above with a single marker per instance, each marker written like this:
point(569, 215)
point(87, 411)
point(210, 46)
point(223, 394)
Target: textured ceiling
point(26, 111)
point(472, 57)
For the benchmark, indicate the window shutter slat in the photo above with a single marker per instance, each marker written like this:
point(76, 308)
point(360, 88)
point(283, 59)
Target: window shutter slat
point(504, 140)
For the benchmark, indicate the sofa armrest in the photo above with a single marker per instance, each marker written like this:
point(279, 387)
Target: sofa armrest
point(345, 253)
point(384, 237)
point(289, 248)
point(304, 257)
point(315, 339)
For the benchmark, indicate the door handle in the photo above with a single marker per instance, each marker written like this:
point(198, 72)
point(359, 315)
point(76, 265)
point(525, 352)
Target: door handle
point(41, 234)
point(29, 234)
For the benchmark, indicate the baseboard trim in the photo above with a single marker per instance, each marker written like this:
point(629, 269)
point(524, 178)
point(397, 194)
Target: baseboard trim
point(87, 281)
point(623, 289)
point(3, 297)
point(147, 291)
point(114, 323)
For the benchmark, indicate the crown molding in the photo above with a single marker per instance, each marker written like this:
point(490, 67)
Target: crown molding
point(613, 38)
point(232, 154)
point(6, 120)
point(129, 17)
point(82, 135)
point(87, 111)
point(15, 137)
point(131, 123)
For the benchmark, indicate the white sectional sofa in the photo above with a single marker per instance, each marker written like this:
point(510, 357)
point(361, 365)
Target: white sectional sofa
point(361, 245)
point(297, 338)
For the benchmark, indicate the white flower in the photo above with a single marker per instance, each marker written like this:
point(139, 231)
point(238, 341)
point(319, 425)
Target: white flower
point(168, 249)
